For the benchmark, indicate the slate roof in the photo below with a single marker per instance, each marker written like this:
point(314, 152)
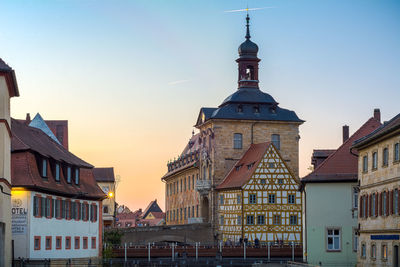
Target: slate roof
point(104, 174)
point(152, 207)
point(242, 105)
point(237, 178)
point(39, 123)
point(26, 143)
point(342, 165)
point(11, 80)
point(386, 129)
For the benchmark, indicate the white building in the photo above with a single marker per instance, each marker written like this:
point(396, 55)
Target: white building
point(56, 203)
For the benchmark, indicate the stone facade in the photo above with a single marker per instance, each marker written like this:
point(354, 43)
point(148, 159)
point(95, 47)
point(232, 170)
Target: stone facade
point(223, 155)
point(379, 200)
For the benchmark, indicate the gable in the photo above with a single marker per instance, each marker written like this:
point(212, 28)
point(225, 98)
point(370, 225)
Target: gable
point(272, 173)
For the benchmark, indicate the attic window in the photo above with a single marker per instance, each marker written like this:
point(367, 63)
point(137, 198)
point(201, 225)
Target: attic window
point(238, 167)
point(44, 168)
point(240, 109)
point(256, 109)
point(249, 166)
point(273, 110)
point(69, 174)
point(76, 176)
point(57, 172)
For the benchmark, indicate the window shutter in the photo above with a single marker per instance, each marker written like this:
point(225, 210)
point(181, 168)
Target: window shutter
point(380, 204)
point(376, 204)
point(391, 202)
point(370, 205)
point(387, 203)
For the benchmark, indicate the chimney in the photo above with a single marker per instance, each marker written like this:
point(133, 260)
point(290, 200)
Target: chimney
point(28, 118)
point(377, 114)
point(345, 133)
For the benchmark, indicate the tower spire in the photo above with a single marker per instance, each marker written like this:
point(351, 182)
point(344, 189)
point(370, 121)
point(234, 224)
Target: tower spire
point(247, 26)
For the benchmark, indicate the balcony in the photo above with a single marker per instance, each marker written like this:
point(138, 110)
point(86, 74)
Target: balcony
point(203, 186)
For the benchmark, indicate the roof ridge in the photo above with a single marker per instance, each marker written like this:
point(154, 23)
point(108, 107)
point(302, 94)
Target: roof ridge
point(342, 145)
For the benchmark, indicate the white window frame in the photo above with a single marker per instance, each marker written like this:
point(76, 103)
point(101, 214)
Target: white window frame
point(374, 160)
point(237, 141)
point(365, 163)
point(355, 197)
point(334, 236)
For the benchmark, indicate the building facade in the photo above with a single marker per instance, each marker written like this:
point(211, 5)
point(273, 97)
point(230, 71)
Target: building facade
point(106, 181)
point(330, 197)
point(56, 203)
point(259, 199)
point(248, 116)
point(8, 89)
point(379, 179)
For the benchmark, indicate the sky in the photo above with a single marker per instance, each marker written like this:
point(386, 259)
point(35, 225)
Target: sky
point(131, 76)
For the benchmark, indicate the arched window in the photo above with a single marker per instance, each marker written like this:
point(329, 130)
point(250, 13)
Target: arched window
point(276, 140)
point(249, 73)
point(237, 141)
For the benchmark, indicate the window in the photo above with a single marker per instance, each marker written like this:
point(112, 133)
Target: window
point(85, 243)
point(271, 198)
point(48, 243)
point(271, 165)
point(373, 251)
point(250, 219)
point(67, 242)
point(193, 181)
point(280, 181)
point(237, 141)
point(260, 219)
point(36, 242)
point(58, 208)
point(252, 198)
point(188, 212)
point(221, 199)
point(374, 160)
point(181, 185)
point(93, 212)
point(221, 220)
point(276, 140)
point(192, 211)
point(48, 207)
point(42, 206)
point(57, 172)
point(197, 210)
point(240, 109)
point(385, 156)
point(363, 250)
point(181, 214)
point(76, 242)
point(291, 199)
point(256, 109)
point(396, 201)
point(293, 219)
point(365, 164)
point(93, 242)
point(184, 213)
point(263, 181)
point(184, 185)
point(373, 206)
point(44, 168)
point(355, 198)
point(238, 199)
point(333, 239)
point(69, 175)
point(36, 206)
point(105, 209)
point(239, 220)
point(384, 203)
point(249, 73)
point(58, 242)
point(76, 176)
point(396, 156)
point(384, 252)
point(188, 179)
point(276, 219)
point(355, 240)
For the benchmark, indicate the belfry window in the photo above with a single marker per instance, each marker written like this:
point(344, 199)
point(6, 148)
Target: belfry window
point(237, 141)
point(249, 73)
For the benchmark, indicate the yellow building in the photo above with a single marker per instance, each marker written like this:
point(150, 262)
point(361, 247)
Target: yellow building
point(379, 180)
point(8, 89)
point(106, 181)
point(259, 199)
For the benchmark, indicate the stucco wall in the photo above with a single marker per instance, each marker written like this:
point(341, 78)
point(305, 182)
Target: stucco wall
point(330, 205)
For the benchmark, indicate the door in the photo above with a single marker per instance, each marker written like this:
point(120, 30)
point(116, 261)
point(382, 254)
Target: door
point(396, 256)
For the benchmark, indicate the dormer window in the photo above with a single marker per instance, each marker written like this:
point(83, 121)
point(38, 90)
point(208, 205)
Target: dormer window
point(76, 177)
point(44, 168)
point(57, 172)
point(256, 109)
point(69, 174)
point(240, 109)
point(238, 167)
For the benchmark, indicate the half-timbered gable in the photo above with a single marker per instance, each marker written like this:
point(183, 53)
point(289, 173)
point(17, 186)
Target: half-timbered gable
point(266, 202)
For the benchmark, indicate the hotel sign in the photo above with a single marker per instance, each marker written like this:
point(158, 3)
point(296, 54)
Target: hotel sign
point(19, 216)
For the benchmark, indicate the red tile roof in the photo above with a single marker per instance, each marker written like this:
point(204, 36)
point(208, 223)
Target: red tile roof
point(342, 164)
point(240, 173)
point(26, 143)
point(104, 174)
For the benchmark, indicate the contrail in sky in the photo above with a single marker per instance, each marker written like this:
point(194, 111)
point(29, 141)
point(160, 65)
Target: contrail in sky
point(248, 9)
point(177, 82)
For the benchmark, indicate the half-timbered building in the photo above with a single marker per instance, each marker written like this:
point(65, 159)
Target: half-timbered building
point(259, 198)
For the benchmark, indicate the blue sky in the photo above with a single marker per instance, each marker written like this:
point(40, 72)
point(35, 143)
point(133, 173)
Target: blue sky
point(131, 76)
